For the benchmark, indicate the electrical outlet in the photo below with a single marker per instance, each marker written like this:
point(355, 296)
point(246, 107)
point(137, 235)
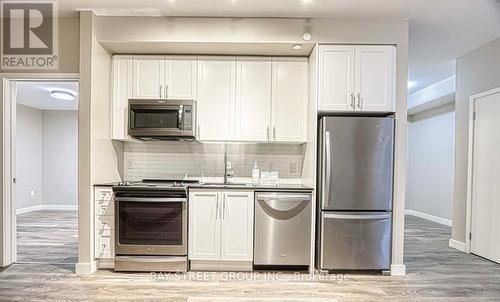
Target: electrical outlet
point(130, 164)
point(293, 168)
point(32, 193)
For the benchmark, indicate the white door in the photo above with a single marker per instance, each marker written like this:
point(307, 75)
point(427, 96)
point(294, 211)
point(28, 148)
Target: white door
point(485, 227)
point(216, 98)
point(122, 77)
point(336, 78)
point(253, 99)
point(237, 226)
point(180, 77)
point(375, 77)
point(289, 99)
point(148, 77)
point(204, 226)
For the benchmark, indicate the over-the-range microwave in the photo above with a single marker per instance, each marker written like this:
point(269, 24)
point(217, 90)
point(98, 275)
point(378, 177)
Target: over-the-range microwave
point(162, 119)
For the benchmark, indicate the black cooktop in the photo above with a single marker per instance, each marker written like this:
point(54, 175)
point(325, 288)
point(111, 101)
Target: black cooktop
point(154, 185)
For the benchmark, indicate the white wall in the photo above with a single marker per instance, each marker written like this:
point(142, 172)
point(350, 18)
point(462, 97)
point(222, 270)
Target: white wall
point(431, 143)
point(28, 157)
point(60, 157)
point(477, 71)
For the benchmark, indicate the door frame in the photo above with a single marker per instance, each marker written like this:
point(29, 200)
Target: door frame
point(470, 165)
point(8, 232)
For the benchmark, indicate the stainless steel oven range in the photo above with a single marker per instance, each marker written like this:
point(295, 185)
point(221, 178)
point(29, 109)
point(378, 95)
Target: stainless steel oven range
point(151, 226)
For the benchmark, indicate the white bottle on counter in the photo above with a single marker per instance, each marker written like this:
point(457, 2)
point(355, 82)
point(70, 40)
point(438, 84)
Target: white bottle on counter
point(255, 174)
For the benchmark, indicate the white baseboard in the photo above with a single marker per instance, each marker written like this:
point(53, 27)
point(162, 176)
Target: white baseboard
point(457, 245)
point(398, 270)
point(429, 217)
point(46, 207)
point(85, 268)
point(28, 209)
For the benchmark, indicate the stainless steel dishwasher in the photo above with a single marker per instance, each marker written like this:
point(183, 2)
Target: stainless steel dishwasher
point(282, 229)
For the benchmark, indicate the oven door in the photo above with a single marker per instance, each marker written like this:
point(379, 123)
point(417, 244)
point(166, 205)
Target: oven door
point(151, 226)
point(150, 118)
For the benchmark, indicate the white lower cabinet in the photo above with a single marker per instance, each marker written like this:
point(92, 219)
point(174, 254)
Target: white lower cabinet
point(221, 225)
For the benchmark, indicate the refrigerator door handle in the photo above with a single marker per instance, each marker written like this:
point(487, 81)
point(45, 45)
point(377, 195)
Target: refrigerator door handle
point(358, 216)
point(326, 167)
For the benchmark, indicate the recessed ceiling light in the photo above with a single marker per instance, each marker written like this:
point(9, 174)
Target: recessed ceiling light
point(297, 46)
point(411, 84)
point(62, 95)
point(306, 36)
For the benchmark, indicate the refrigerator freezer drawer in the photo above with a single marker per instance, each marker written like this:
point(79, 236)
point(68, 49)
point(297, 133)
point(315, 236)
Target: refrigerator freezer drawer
point(355, 240)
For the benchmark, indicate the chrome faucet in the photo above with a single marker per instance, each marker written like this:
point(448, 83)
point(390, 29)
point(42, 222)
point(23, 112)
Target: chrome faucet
point(228, 169)
point(225, 167)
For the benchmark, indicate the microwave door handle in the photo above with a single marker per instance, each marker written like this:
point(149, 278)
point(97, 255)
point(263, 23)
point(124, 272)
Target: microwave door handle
point(181, 117)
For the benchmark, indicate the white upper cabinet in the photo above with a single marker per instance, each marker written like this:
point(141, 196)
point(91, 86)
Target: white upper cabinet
point(216, 98)
point(237, 226)
point(180, 77)
point(253, 99)
point(289, 99)
point(122, 91)
point(375, 78)
point(148, 77)
point(356, 78)
point(336, 77)
point(160, 77)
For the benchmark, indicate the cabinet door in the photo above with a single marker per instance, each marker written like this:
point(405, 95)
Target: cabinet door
point(216, 98)
point(204, 226)
point(336, 78)
point(237, 226)
point(122, 91)
point(180, 77)
point(148, 77)
point(289, 99)
point(375, 75)
point(253, 99)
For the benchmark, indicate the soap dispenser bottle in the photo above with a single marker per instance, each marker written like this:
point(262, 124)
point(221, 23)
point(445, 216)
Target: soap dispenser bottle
point(255, 174)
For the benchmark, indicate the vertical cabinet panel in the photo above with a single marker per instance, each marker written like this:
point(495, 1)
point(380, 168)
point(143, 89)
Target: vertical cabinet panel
point(122, 91)
point(216, 98)
point(374, 81)
point(289, 99)
point(253, 99)
point(336, 77)
point(204, 226)
point(180, 77)
point(237, 226)
point(148, 77)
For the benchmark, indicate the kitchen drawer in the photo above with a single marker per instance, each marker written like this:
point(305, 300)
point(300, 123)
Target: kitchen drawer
point(103, 194)
point(104, 245)
point(105, 224)
point(105, 208)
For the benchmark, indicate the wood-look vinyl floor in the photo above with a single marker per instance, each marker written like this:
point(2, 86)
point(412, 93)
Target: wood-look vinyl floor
point(47, 248)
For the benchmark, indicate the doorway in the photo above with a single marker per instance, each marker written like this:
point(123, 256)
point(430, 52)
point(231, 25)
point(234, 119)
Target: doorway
point(44, 170)
point(483, 187)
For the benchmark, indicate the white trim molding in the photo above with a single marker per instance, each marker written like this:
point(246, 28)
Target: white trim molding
point(398, 270)
point(457, 245)
point(429, 217)
point(47, 207)
point(86, 268)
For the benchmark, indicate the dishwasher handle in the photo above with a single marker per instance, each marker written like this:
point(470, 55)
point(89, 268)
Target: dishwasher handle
point(283, 206)
point(284, 197)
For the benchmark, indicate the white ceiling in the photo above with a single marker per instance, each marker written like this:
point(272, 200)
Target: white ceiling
point(440, 30)
point(37, 95)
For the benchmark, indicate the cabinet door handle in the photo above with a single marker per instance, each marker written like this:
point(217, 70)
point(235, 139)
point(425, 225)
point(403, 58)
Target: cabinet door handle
point(199, 132)
point(359, 100)
point(224, 207)
point(217, 208)
point(274, 132)
point(161, 90)
point(166, 91)
point(353, 101)
point(267, 132)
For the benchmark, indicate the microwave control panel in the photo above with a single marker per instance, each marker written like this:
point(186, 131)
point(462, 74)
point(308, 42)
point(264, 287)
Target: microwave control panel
point(188, 118)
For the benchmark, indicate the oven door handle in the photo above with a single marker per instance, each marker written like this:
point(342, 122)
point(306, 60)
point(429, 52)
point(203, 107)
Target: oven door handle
point(150, 199)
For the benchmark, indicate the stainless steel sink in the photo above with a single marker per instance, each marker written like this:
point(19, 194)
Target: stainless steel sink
point(220, 184)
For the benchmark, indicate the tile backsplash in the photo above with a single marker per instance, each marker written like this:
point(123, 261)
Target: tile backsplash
point(175, 159)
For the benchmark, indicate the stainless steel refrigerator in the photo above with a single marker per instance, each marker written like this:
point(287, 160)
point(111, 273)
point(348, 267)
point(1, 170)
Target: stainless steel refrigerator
point(355, 191)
